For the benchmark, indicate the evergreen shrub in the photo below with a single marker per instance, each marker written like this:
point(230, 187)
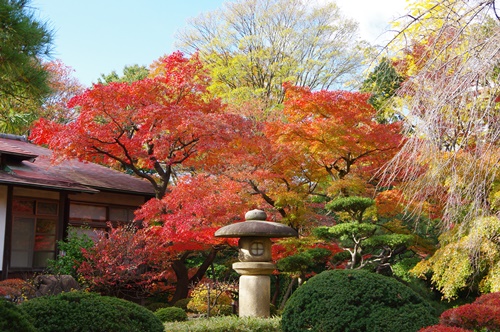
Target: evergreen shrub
point(356, 301)
point(182, 303)
point(73, 254)
point(12, 319)
point(86, 312)
point(171, 314)
point(156, 305)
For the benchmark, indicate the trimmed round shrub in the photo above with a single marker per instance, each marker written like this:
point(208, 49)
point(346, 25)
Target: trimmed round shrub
point(182, 303)
point(356, 301)
point(86, 312)
point(171, 314)
point(12, 319)
point(156, 305)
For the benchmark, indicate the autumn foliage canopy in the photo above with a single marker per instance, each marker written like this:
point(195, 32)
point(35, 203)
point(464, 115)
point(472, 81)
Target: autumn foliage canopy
point(208, 166)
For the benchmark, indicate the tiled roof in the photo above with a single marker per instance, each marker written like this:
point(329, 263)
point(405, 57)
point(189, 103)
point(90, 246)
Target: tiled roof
point(27, 164)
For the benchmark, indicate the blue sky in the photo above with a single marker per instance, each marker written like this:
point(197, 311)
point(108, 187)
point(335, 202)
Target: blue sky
point(95, 37)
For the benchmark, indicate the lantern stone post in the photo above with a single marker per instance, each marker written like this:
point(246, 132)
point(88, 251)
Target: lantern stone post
point(255, 265)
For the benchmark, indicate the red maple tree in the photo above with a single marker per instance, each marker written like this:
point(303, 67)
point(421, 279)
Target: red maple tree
point(156, 127)
point(166, 129)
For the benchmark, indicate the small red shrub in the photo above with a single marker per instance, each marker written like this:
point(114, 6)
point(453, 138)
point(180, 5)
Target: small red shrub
point(442, 328)
point(473, 316)
point(489, 299)
point(12, 288)
point(482, 314)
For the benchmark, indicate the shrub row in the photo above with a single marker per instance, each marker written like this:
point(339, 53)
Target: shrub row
point(86, 312)
point(12, 319)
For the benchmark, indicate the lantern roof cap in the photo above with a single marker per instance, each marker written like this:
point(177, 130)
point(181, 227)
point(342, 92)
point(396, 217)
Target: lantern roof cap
point(255, 224)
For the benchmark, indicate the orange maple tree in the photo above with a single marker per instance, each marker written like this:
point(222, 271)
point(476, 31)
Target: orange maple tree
point(326, 144)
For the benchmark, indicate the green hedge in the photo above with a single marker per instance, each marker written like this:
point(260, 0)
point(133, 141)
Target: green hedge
point(357, 301)
point(171, 314)
point(86, 312)
point(12, 319)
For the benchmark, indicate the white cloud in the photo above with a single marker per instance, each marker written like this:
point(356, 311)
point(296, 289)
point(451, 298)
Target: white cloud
point(373, 16)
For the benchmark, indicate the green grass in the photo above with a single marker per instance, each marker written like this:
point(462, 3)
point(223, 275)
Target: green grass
point(226, 324)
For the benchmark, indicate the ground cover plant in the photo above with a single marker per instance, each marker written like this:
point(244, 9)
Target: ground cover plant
point(86, 312)
point(355, 300)
point(226, 324)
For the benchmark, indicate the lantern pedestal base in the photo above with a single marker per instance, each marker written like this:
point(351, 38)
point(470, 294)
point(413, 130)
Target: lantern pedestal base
point(255, 288)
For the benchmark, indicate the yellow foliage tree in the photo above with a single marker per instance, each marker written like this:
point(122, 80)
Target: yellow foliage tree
point(449, 53)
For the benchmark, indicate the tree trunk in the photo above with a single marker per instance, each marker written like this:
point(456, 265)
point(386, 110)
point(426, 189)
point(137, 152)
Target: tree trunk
point(288, 293)
point(195, 279)
point(277, 287)
point(182, 276)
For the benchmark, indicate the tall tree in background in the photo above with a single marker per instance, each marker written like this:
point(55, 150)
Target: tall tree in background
point(254, 46)
point(130, 74)
point(383, 83)
point(63, 88)
point(450, 56)
point(24, 82)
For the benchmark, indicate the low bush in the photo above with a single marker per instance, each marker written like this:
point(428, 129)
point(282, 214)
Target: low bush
point(182, 303)
point(354, 300)
point(481, 315)
point(156, 305)
point(86, 312)
point(442, 328)
point(13, 289)
point(220, 299)
point(226, 324)
point(171, 314)
point(12, 319)
point(73, 248)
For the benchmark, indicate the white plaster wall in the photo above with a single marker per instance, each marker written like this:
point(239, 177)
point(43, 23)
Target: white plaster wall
point(3, 220)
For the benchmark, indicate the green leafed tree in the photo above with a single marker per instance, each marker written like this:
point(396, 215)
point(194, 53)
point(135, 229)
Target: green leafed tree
point(254, 46)
point(130, 74)
point(383, 83)
point(24, 82)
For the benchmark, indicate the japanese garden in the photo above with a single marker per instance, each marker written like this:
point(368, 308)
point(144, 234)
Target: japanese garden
point(275, 173)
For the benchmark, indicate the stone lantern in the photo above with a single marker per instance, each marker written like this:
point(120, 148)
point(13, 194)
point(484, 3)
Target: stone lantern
point(255, 266)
